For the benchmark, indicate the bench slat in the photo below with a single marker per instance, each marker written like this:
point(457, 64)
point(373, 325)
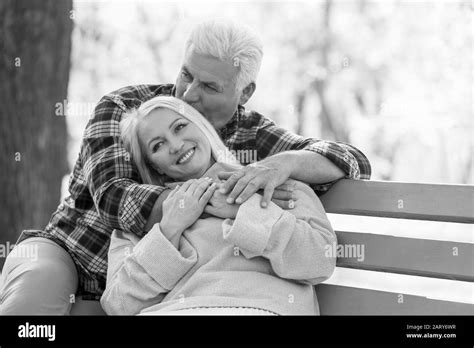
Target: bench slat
point(450, 203)
point(343, 300)
point(429, 258)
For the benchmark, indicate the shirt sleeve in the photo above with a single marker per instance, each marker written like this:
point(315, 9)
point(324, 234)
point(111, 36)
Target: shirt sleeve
point(141, 272)
point(112, 178)
point(296, 243)
point(271, 139)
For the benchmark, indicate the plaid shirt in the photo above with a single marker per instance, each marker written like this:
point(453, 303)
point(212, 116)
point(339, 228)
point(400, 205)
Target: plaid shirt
point(106, 192)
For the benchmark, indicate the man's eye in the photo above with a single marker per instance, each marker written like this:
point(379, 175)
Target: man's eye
point(211, 88)
point(185, 75)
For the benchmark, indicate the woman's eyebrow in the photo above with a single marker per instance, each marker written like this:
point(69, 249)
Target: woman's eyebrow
point(172, 123)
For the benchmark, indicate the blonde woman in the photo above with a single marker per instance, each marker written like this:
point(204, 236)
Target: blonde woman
point(260, 261)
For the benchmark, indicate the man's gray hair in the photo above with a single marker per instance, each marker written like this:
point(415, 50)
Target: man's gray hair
point(230, 42)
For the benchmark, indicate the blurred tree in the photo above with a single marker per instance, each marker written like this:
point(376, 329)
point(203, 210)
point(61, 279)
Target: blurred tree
point(155, 39)
point(36, 37)
point(367, 72)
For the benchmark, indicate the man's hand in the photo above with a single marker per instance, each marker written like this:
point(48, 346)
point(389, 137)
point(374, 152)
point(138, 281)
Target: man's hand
point(267, 174)
point(218, 206)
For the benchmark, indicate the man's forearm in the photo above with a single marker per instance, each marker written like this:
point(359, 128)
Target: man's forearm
point(310, 167)
point(157, 211)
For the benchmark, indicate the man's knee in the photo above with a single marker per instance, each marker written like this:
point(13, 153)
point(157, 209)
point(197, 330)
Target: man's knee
point(44, 285)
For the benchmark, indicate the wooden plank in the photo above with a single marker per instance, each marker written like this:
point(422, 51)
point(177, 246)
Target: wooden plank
point(451, 203)
point(342, 300)
point(429, 258)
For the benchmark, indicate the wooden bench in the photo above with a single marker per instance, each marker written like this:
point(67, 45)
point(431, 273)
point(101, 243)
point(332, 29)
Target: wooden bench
point(396, 255)
point(412, 256)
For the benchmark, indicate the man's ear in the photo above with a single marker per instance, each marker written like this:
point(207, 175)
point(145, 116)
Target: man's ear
point(247, 93)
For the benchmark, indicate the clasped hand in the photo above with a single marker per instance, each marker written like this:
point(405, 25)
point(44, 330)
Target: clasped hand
point(184, 205)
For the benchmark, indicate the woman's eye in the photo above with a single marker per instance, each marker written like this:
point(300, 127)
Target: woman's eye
point(180, 126)
point(156, 146)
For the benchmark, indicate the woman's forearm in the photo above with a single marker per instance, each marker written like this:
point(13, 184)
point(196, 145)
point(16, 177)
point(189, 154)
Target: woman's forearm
point(141, 273)
point(294, 242)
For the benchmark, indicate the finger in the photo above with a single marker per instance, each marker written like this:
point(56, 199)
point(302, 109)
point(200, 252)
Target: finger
point(290, 182)
point(248, 191)
point(173, 191)
point(284, 195)
point(208, 194)
point(201, 187)
point(224, 175)
point(284, 204)
point(193, 186)
point(267, 195)
point(286, 187)
point(209, 209)
point(173, 184)
point(231, 181)
point(187, 184)
point(245, 183)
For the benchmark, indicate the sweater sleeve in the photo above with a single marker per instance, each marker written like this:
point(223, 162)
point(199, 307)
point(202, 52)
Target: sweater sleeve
point(296, 242)
point(141, 272)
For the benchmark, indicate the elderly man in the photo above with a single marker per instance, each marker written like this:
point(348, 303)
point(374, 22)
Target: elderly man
point(217, 77)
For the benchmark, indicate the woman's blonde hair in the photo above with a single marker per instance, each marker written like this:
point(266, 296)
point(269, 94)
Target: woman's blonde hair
point(129, 132)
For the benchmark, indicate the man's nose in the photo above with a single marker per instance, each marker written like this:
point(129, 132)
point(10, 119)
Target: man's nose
point(191, 94)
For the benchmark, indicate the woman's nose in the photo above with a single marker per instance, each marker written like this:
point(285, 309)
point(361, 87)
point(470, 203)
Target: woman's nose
point(176, 146)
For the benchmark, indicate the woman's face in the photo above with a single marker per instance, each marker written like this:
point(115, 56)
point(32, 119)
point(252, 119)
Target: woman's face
point(174, 145)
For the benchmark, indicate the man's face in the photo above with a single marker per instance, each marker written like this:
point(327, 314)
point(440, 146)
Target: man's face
point(208, 85)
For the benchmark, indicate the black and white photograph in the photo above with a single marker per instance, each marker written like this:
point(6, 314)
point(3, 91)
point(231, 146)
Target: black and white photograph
point(211, 162)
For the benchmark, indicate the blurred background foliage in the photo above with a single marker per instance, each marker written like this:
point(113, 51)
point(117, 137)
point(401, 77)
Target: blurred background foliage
point(393, 78)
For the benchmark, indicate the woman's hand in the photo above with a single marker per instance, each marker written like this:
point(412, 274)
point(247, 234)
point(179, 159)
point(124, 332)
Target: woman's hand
point(283, 196)
point(183, 206)
point(219, 207)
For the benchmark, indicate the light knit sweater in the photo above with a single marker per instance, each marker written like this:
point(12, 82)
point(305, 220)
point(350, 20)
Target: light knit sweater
point(266, 258)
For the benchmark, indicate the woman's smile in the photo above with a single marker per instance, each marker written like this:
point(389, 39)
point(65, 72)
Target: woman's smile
point(186, 157)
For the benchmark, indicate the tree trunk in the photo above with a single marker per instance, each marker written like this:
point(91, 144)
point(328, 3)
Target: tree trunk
point(331, 129)
point(36, 45)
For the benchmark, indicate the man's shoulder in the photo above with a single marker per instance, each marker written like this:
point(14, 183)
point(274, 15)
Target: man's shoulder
point(134, 95)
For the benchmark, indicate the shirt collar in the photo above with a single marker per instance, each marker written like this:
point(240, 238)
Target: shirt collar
point(231, 126)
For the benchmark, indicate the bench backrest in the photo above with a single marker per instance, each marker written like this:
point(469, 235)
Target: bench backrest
point(400, 255)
